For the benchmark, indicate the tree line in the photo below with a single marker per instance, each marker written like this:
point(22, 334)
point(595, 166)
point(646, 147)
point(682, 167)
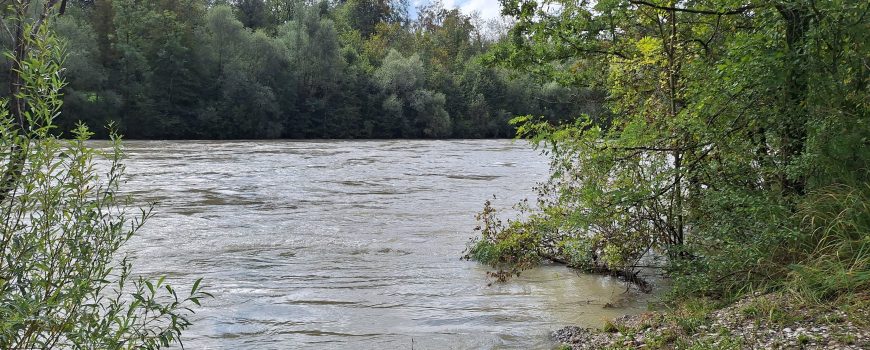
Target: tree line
point(205, 69)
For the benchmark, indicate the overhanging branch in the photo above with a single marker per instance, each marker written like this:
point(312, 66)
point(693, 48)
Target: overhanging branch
point(736, 11)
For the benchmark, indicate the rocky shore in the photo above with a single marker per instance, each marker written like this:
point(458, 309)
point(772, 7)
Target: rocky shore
point(770, 321)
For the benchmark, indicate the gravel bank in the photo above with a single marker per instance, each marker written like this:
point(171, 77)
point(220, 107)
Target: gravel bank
point(761, 322)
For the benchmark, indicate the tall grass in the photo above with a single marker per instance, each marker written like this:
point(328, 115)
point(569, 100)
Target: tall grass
point(816, 247)
point(833, 255)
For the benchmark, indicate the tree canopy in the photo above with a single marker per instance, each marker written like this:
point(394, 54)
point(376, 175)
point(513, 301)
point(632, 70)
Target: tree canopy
point(290, 69)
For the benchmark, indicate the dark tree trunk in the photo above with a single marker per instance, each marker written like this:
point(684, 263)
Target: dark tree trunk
point(21, 35)
point(793, 127)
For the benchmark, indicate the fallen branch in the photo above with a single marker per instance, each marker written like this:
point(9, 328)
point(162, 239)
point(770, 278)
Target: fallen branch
point(628, 276)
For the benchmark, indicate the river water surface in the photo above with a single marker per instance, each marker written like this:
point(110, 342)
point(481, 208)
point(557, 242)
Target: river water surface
point(349, 244)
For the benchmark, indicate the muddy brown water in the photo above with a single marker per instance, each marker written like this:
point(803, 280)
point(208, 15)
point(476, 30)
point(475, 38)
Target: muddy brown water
point(350, 244)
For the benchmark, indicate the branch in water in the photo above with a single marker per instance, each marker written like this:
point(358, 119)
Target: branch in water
point(628, 276)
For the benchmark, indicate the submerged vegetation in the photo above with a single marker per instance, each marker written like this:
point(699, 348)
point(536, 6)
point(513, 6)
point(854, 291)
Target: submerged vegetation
point(733, 152)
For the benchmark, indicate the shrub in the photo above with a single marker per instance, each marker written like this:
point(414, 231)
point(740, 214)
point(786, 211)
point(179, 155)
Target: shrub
point(63, 283)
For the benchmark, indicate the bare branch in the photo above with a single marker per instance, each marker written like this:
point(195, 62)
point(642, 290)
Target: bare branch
point(736, 11)
point(7, 30)
point(46, 9)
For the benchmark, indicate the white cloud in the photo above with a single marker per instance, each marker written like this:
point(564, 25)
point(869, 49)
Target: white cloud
point(451, 4)
point(487, 9)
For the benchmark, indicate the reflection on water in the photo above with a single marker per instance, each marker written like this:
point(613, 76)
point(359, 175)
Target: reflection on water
point(349, 245)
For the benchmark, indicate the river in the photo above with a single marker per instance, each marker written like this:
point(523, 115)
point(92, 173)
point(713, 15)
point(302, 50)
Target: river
point(349, 244)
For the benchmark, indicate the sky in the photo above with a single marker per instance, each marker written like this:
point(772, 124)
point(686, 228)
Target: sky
point(487, 9)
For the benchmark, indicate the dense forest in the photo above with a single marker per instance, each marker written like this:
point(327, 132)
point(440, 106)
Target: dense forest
point(291, 69)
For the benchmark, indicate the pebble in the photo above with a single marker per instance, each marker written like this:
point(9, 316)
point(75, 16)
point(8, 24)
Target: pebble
point(813, 332)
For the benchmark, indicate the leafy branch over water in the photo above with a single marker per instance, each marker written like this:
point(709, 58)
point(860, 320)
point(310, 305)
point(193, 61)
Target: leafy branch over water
point(734, 144)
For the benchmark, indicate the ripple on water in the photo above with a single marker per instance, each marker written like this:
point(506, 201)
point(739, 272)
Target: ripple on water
point(349, 245)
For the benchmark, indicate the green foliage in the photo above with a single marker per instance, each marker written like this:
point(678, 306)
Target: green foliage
point(818, 251)
point(771, 311)
point(732, 142)
point(610, 327)
point(510, 248)
point(725, 343)
point(832, 251)
point(63, 280)
point(291, 69)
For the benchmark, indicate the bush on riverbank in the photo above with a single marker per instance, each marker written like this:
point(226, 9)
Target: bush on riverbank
point(65, 281)
point(734, 155)
point(821, 252)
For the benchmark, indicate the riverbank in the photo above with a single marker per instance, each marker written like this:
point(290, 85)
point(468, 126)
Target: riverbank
point(769, 321)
